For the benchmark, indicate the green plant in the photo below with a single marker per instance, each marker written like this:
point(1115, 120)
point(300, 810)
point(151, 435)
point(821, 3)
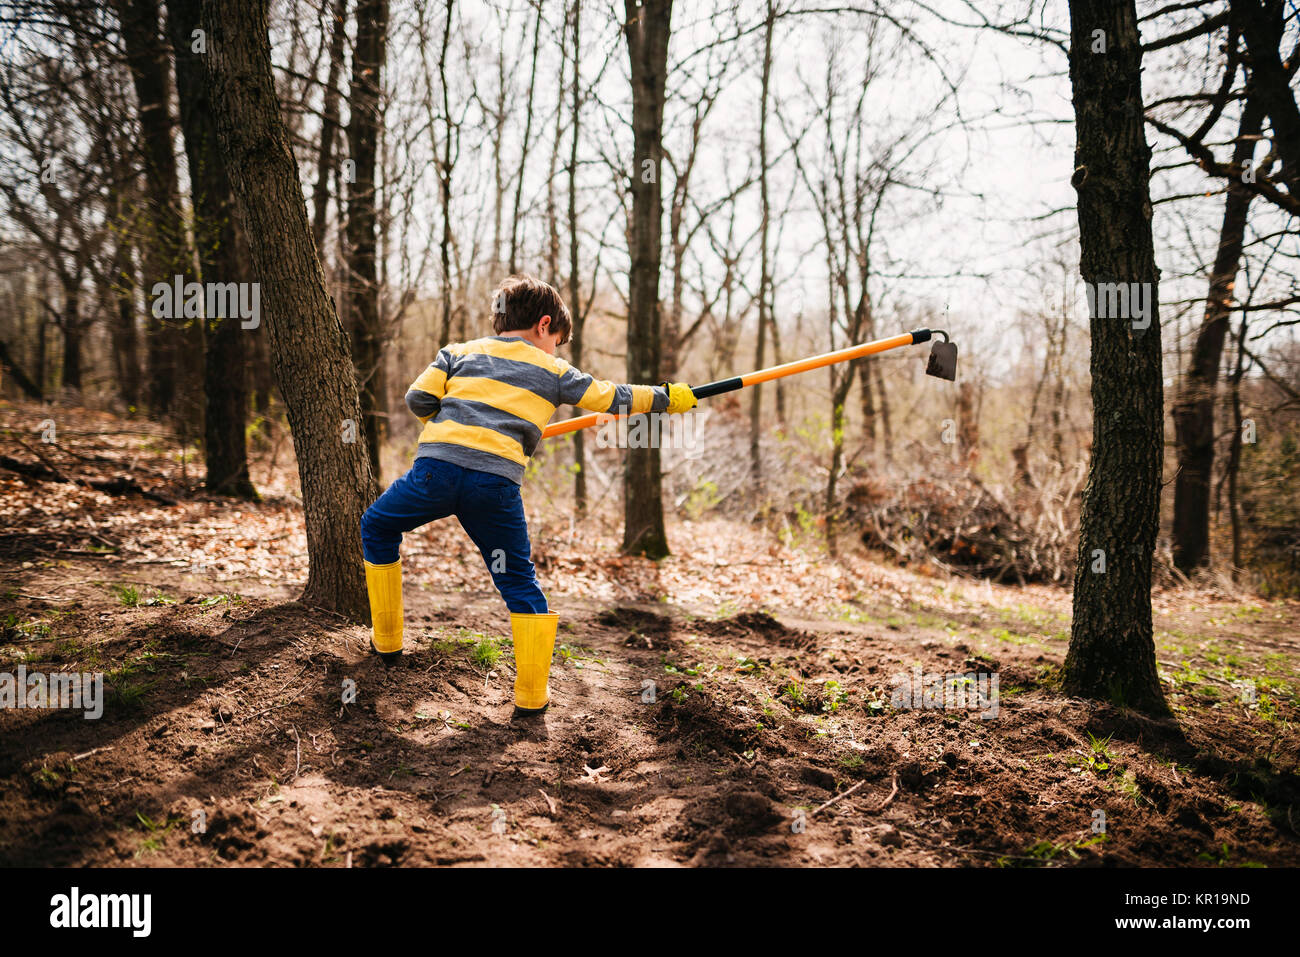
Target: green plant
point(1127, 785)
point(795, 693)
point(703, 497)
point(835, 696)
point(1098, 760)
point(485, 654)
point(127, 595)
point(32, 630)
point(156, 832)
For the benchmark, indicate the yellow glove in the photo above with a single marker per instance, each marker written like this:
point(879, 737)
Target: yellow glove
point(680, 397)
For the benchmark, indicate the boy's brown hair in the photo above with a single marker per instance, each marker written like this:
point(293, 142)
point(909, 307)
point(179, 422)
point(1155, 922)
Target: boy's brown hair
point(522, 300)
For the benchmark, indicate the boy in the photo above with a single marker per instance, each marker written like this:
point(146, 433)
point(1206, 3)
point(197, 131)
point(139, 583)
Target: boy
point(484, 404)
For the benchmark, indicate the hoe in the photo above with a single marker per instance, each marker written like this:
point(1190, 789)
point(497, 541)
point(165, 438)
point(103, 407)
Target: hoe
point(942, 365)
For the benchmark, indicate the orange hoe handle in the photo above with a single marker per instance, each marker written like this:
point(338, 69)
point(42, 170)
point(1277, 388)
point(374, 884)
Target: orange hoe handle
point(565, 426)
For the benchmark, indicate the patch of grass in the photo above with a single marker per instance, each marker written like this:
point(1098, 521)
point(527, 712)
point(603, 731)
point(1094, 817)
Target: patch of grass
point(32, 630)
point(1222, 857)
point(1044, 852)
point(1127, 786)
point(834, 696)
point(222, 599)
point(155, 831)
point(848, 613)
point(1098, 759)
point(485, 654)
point(576, 655)
point(127, 595)
point(1277, 663)
point(128, 694)
point(1048, 676)
point(51, 779)
point(795, 694)
point(1003, 634)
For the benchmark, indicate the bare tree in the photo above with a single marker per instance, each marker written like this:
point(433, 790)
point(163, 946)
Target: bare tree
point(1112, 653)
point(329, 123)
point(647, 26)
point(368, 336)
point(175, 344)
point(225, 374)
point(310, 349)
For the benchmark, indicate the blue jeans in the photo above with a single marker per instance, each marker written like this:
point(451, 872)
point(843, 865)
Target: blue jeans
point(487, 506)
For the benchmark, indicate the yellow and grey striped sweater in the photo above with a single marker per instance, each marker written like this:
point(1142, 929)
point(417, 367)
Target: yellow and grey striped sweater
point(484, 403)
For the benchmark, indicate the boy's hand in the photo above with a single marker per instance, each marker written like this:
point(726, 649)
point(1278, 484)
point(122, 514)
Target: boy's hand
point(680, 397)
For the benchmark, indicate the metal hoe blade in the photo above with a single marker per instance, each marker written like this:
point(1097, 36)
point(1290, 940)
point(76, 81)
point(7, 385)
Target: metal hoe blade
point(943, 361)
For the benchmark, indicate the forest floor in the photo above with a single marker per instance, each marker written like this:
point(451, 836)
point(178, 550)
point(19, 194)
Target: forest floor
point(731, 705)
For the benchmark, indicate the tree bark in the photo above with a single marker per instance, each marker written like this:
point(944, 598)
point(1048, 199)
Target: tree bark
point(527, 141)
point(1111, 653)
point(765, 278)
point(9, 364)
point(309, 347)
point(70, 325)
point(126, 357)
point(329, 126)
point(647, 25)
point(575, 288)
point(1193, 412)
point(363, 280)
point(444, 178)
point(225, 372)
point(173, 348)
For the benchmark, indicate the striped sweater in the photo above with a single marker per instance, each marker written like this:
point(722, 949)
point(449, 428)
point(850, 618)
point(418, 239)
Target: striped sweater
point(484, 403)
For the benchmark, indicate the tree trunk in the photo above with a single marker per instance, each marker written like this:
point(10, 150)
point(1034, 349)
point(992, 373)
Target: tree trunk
point(756, 399)
point(552, 212)
point(444, 179)
point(174, 348)
point(528, 137)
point(1234, 449)
point(1111, 653)
point(309, 347)
point(225, 375)
point(126, 357)
point(575, 288)
point(363, 281)
point(839, 394)
point(329, 125)
point(10, 365)
point(647, 25)
point(70, 324)
point(1263, 26)
point(886, 426)
point(1193, 412)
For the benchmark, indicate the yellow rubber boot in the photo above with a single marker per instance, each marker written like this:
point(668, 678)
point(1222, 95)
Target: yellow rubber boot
point(384, 582)
point(534, 641)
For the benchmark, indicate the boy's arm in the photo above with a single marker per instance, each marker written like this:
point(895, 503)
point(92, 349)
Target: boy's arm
point(600, 395)
point(424, 398)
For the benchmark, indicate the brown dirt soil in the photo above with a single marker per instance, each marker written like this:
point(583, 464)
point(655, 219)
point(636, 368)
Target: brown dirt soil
point(691, 732)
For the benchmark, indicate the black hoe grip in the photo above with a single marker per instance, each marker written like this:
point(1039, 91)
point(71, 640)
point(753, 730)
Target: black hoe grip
point(920, 335)
point(717, 388)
